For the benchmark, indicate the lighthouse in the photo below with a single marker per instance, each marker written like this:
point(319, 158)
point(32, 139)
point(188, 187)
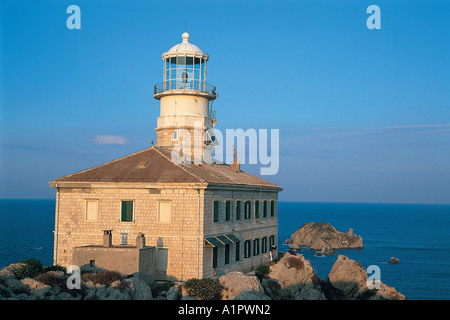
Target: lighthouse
point(186, 98)
point(151, 216)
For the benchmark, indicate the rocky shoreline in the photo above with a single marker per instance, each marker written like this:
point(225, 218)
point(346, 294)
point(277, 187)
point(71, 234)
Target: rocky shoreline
point(290, 278)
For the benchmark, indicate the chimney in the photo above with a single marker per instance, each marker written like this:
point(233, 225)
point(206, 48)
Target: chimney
point(140, 240)
point(235, 165)
point(107, 238)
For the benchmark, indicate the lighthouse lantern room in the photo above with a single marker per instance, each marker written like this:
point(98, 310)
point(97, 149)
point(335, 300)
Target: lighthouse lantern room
point(185, 96)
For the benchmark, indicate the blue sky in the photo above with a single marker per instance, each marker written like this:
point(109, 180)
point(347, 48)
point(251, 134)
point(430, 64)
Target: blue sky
point(364, 115)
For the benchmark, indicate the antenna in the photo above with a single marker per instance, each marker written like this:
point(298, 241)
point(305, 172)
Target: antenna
point(185, 26)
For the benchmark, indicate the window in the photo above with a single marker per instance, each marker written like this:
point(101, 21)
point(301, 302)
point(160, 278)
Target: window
point(256, 209)
point(227, 254)
point(227, 210)
point(124, 238)
point(127, 211)
point(175, 135)
point(247, 249)
point(271, 242)
point(164, 211)
point(247, 210)
point(238, 210)
point(214, 257)
point(264, 245)
point(238, 249)
point(265, 209)
point(216, 211)
point(272, 208)
point(256, 247)
point(91, 210)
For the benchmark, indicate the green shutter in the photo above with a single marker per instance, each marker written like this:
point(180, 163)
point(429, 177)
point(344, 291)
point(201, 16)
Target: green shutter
point(272, 208)
point(238, 210)
point(214, 257)
point(227, 254)
point(127, 211)
point(238, 249)
point(216, 211)
point(124, 210)
point(256, 209)
point(227, 210)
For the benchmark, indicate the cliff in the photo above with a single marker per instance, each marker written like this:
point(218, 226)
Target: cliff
point(324, 237)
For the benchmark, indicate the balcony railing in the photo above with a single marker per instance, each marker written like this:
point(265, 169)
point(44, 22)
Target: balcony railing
point(186, 86)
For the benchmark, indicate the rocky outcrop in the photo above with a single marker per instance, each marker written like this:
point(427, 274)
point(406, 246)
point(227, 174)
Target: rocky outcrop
point(348, 280)
point(324, 237)
point(293, 278)
point(393, 260)
point(55, 288)
point(242, 287)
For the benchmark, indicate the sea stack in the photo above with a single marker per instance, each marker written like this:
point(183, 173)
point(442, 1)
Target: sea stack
point(324, 237)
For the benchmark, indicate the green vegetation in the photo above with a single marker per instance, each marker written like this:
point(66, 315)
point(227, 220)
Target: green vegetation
point(30, 269)
point(204, 289)
point(262, 271)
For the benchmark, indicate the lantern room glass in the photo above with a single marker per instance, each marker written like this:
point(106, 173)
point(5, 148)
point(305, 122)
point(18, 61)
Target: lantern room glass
point(184, 72)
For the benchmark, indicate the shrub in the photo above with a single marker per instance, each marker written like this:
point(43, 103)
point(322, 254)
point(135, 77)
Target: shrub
point(50, 279)
point(55, 267)
point(204, 289)
point(88, 276)
point(31, 268)
point(294, 262)
point(262, 271)
point(105, 277)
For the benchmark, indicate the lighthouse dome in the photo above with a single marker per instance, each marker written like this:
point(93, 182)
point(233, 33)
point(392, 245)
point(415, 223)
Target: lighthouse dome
point(185, 46)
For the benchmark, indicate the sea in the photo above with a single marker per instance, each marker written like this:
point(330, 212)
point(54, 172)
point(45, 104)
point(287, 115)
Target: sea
point(417, 234)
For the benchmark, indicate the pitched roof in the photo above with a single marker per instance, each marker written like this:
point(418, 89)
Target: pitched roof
point(155, 165)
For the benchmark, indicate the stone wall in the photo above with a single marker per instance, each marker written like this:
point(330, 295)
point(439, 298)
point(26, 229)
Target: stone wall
point(179, 236)
point(244, 229)
point(123, 259)
point(185, 255)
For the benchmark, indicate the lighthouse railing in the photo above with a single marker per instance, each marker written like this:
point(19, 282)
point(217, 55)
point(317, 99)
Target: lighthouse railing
point(185, 86)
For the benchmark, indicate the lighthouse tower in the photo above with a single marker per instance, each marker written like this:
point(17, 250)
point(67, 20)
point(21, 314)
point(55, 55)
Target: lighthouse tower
point(186, 114)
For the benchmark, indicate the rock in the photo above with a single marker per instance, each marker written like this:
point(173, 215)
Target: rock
point(172, 293)
point(140, 290)
point(387, 293)
point(350, 279)
point(323, 236)
point(16, 286)
point(393, 260)
point(242, 287)
point(116, 284)
point(293, 278)
point(37, 288)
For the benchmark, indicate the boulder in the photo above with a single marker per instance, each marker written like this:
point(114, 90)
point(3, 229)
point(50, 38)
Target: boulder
point(349, 278)
point(324, 237)
point(37, 289)
point(140, 290)
point(242, 287)
point(293, 278)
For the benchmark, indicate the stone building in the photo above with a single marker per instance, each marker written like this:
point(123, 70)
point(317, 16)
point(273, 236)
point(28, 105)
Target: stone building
point(200, 218)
